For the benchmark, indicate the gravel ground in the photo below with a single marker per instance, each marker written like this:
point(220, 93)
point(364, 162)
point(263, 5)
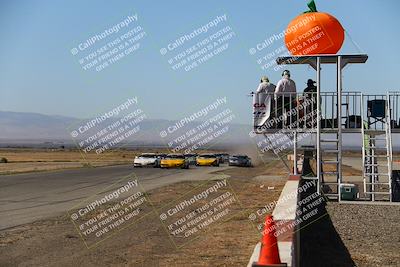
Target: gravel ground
point(371, 233)
point(350, 235)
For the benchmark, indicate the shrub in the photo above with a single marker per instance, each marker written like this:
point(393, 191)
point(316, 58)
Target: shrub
point(87, 165)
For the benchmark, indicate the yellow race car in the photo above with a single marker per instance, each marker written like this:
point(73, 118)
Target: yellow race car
point(207, 160)
point(174, 161)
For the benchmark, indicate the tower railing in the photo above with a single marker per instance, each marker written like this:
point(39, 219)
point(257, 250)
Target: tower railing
point(298, 111)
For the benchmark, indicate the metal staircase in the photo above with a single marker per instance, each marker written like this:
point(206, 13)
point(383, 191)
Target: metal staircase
point(330, 180)
point(377, 156)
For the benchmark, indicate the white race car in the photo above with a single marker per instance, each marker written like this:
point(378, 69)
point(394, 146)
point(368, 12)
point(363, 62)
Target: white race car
point(147, 159)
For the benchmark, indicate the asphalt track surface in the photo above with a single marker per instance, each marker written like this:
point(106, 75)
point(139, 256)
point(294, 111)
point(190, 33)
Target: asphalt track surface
point(25, 198)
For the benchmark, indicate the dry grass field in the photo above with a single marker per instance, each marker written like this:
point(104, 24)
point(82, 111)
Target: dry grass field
point(22, 160)
point(28, 160)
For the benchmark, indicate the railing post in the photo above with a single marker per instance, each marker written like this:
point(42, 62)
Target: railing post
point(389, 144)
point(363, 143)
point(339, 122)
point(318, 124)
point(295, 152)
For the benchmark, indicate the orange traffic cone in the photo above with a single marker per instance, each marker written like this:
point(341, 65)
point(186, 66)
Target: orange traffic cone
point(269, 253)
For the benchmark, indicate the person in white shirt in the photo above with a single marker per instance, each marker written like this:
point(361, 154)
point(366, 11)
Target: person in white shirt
point(285, 94)
point(265, 86)
point(285, 85)
point(262, 101)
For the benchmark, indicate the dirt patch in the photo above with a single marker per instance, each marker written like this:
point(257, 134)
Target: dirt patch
point(346, 169)
point(274, 167)
point(55, 242)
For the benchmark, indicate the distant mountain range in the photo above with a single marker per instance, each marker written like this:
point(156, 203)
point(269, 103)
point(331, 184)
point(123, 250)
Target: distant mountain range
point(23, 127)
point(53, 130)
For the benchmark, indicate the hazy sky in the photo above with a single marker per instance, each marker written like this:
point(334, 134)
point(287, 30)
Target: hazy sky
point(38, 73)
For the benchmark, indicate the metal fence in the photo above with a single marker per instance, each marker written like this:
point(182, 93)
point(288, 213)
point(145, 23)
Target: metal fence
point(299, 110)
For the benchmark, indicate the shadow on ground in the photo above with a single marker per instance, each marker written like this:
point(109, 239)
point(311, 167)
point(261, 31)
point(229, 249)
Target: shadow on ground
point(320, 243)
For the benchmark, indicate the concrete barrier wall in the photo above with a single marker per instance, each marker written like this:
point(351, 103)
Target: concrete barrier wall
point(286, 229)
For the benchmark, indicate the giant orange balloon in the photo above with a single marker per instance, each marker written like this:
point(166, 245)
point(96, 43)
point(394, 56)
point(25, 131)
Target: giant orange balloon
point(314, 33)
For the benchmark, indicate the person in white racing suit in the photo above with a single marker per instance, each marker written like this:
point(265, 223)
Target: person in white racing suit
point(285, 95)
point(262, 101)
